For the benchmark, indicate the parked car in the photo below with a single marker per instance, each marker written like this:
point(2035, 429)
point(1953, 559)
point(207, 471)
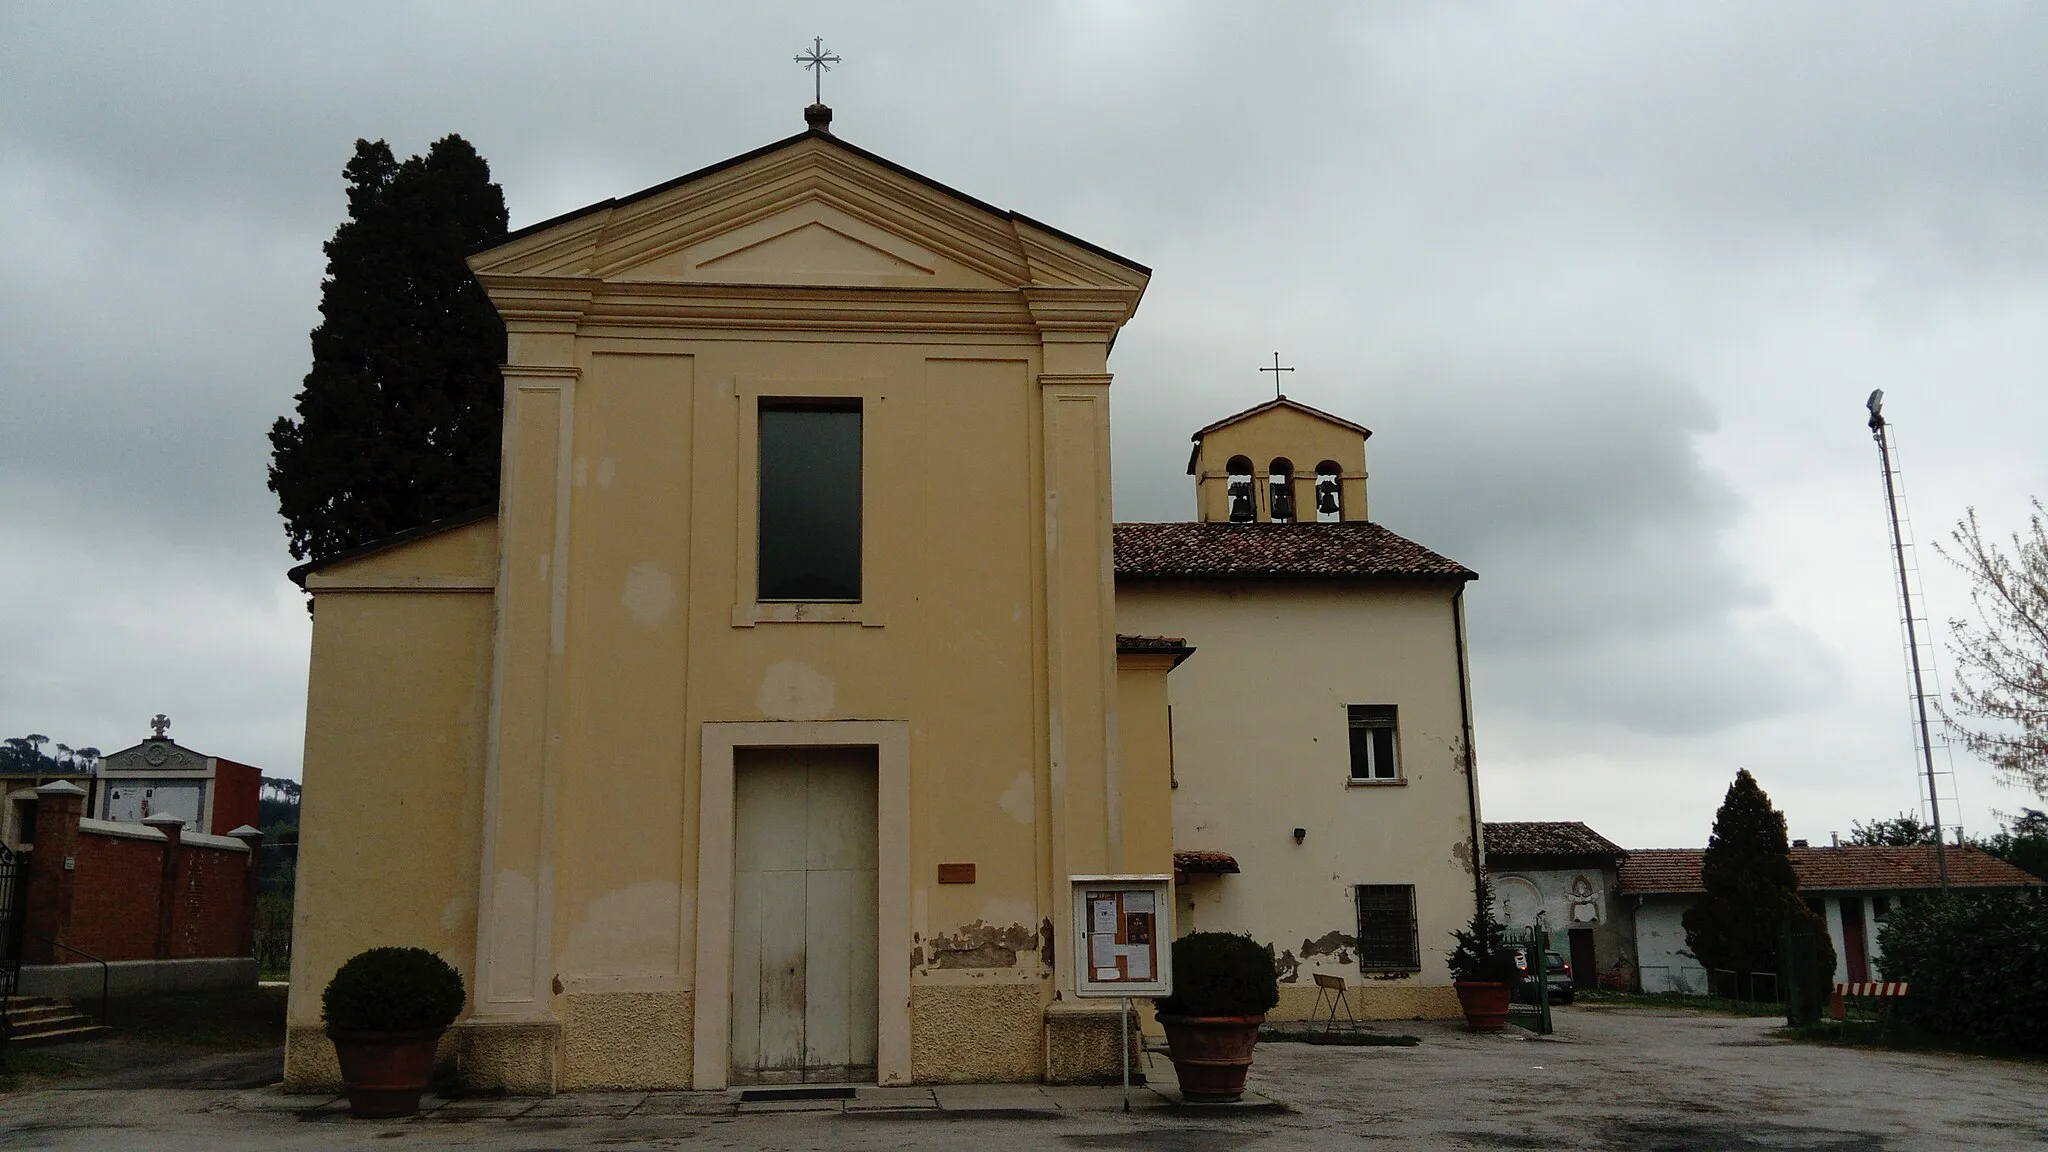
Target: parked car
point(1557, 973)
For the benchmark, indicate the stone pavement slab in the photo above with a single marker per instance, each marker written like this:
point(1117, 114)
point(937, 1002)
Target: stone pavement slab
point(478, 1108)
point(893, 1100)
point(687, 1104)
point(995, 1100)
point(1091, 1098)
point(588, 1105)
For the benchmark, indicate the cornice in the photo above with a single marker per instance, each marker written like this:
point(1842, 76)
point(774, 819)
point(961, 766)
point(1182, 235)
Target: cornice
point(541, 371)
point(540, 303)
point(1080, 310)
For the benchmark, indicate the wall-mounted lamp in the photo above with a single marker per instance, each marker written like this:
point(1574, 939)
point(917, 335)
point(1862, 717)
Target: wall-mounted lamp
point(1300, 834)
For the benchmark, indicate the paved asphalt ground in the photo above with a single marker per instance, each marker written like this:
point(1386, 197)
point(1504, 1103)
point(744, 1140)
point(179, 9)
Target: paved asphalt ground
point(1612, 1078)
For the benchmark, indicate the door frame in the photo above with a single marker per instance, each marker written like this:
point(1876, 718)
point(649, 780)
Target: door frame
point(711, 1057)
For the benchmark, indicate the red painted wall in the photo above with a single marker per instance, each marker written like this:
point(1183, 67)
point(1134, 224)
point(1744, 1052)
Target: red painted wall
point(235, 790)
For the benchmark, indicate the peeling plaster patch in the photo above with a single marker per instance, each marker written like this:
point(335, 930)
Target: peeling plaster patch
point(649, 594)
point(607, 471)
point(983, 945)
point(1045, 943)
point(1288, 968)
point(1017, 799)
point(1329, 943)
point(1461, 854)
point(793, 690)
point(628, 932)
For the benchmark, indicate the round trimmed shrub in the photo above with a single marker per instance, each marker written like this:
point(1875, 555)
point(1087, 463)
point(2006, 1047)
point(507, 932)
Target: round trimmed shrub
point(1220, 974)
point(392, 990)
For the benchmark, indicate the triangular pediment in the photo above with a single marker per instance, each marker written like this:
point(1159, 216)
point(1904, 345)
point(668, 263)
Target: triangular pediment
point(810, 210)
point(811, 242)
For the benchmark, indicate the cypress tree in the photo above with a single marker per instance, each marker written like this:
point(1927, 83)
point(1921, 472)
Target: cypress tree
point(398, 420)
point(1752, 891)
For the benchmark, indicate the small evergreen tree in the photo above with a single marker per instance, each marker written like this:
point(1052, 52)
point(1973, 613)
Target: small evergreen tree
point(1752, 891)
point(398, 421)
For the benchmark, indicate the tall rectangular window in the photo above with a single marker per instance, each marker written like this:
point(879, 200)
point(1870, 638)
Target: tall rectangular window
point(1386, 928)
point(810, 500)
point(1372, 742)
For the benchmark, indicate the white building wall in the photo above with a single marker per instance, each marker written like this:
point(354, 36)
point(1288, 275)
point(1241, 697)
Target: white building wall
point(1662, 961)
point(1261, 743)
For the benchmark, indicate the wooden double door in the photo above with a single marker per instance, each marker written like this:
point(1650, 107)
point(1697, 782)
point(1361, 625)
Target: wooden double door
point(804, 1003)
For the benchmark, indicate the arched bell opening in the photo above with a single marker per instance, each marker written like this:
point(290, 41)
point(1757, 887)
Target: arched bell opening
point(1280, 485)
point(1237, 489)
point(1329, 492)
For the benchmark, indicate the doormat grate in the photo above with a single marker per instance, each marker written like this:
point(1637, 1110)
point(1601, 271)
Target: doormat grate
point(757, 1095)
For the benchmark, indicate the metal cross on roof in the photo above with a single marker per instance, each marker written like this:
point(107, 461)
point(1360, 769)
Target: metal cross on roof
point(1276, 370)
point(160, 724)
point(820, 61)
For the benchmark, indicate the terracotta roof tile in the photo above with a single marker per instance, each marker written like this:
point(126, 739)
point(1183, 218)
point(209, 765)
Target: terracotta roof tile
point(1849, 868)
point(1149, 643)
point(1194, 550)
point(1546, 838)
point(1204, 862)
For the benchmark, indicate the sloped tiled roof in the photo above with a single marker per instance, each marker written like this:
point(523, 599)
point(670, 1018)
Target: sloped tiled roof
point(1212, 863)
point(1546, 838)
point(1850, 868)
point(1149, 643)
point(1194, 550)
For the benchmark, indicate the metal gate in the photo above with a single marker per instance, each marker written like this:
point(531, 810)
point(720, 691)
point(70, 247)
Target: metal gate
point(13, 916)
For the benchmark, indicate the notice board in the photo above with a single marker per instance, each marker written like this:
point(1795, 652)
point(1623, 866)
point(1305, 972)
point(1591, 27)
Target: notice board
point(1123, 935)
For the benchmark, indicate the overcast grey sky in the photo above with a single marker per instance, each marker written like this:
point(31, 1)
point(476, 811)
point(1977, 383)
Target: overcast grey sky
point(1609, 282)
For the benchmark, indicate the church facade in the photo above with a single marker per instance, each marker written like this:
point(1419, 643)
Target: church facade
point(755, 735)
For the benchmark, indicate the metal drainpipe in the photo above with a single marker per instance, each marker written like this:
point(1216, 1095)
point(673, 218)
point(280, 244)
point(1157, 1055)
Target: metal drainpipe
point(1471, 760)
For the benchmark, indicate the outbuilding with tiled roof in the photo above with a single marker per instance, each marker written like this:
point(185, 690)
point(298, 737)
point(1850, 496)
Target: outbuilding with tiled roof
point(1854, 887)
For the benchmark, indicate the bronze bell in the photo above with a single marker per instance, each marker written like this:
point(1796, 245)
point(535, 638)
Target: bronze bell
point(1326, 496)
point(1241, 511)
point(1283, 501)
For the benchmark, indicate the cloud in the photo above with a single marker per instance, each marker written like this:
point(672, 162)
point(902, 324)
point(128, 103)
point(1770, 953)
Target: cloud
point(1608, 288)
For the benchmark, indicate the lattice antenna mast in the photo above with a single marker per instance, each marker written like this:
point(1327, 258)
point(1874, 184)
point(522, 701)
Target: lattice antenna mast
point(1878, 432)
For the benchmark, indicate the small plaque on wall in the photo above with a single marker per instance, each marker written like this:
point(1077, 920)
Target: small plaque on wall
point(956, 873)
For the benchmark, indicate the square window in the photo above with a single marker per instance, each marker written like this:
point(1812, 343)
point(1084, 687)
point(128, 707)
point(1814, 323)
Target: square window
point(1386, 928)
point(1373, 754)
point(810, 497)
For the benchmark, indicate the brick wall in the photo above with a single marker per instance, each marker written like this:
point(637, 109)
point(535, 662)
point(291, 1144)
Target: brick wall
point(210, 895)
point(113, 897)
point(142, 893)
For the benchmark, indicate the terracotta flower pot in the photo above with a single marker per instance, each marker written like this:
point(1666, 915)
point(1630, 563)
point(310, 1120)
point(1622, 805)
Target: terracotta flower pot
point(1485, 1003)
point(1211, 1054)
point(386, 1072)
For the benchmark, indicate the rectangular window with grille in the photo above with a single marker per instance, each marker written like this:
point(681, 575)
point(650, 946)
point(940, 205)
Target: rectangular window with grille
point(1386, 928)
point(1372, 743)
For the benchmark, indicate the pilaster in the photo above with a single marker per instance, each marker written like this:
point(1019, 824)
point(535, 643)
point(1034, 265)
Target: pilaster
point(1080, 622)
point(514, 956)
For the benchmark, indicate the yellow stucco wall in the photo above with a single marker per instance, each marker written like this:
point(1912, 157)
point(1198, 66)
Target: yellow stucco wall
point(390, 828)
point(1303, 439)
point(1255, 763)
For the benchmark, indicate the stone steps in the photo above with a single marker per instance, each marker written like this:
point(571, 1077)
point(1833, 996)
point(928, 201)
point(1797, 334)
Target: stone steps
point(39, 1020)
